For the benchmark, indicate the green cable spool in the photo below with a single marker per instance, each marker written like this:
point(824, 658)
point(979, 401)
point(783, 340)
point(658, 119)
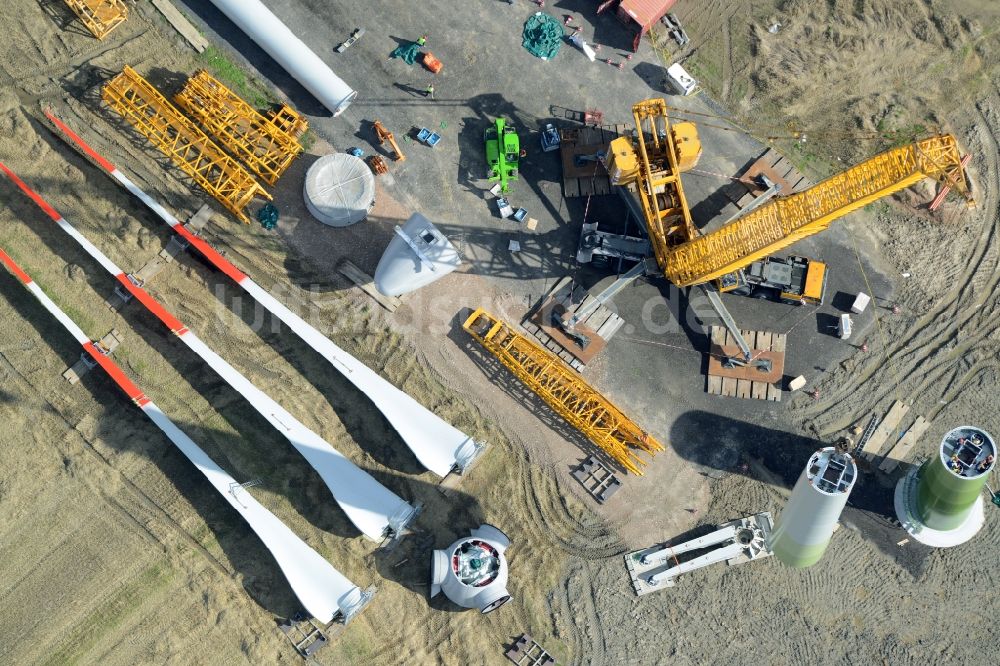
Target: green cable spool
point(268, 216)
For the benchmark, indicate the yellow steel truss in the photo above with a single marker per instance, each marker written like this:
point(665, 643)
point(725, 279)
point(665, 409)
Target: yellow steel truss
point(565, 392)
point(289, 121)
point(785, 220)
point(177, 137)
point(100, 16)
point(258, 142)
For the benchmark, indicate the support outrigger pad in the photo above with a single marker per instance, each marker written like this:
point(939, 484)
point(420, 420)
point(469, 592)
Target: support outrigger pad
point(557, 320)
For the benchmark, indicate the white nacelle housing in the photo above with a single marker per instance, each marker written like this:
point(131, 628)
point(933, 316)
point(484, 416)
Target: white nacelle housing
point(472, 572)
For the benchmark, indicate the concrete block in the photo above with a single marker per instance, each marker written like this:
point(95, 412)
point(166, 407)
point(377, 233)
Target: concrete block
point(797, 383)
point(861, 302)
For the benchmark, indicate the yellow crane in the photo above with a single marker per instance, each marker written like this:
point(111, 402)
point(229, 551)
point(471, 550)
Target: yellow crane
point(654, 160)
point(564, 391)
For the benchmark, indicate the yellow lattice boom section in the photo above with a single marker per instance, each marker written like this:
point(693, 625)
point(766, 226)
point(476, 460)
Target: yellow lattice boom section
point(785, 220)
point(564, 391)
point(289, 121)
point(177, 137)
point(266, 149)
point(100, 16)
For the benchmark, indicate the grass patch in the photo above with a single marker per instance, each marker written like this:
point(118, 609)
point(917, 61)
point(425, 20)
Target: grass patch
point(227, 71)
point(83, 321)
point(110, 615)
point(307, 140)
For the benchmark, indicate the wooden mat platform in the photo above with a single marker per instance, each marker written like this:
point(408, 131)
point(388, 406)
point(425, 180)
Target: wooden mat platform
point(592, 177)
point(747, 381)
point(600, 326)
point(777, 168)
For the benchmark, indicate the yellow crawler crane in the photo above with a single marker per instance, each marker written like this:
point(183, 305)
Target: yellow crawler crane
point(100, 16)
point(653, 164)
point(178, 138)
point(258, 142)
point(565, 392)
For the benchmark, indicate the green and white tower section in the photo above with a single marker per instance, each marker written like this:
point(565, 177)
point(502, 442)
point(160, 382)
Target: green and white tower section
point(804, 528)
point(940, 503)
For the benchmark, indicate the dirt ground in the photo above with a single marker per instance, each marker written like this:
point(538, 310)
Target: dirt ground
point(115, 551)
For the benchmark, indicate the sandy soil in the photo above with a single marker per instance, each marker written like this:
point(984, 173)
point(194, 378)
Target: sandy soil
point(115, 551)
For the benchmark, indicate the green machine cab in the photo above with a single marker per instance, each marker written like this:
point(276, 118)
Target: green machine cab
point(503, 151)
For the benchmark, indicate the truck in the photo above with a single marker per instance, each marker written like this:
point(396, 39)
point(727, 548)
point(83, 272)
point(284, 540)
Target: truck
point(794, 279)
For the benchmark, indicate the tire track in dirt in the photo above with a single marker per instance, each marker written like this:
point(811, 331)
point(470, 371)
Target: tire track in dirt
point(586, 596)
point(727, 57)
point(132, 491)
point(930, 347)
point(589, 541)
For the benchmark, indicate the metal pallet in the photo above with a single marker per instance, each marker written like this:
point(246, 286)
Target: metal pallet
point(597, 479)
point(527, 652)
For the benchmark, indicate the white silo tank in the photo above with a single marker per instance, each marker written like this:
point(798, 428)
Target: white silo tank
point(472, 572)
point(339, 189)
point(804, 528)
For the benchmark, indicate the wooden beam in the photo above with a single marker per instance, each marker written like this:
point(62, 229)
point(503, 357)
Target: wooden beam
point(182, 25)
point(903, 447)
point(885, 428)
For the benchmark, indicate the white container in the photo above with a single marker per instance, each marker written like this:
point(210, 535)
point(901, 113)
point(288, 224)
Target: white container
point(678, 78)
point(797, 383)
point(845, 326)
point(861, 302)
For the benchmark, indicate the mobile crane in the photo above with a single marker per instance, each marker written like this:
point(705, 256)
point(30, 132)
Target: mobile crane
point(653, 161)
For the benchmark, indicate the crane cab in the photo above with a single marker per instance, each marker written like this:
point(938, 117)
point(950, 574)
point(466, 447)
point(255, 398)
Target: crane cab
point(796, 280)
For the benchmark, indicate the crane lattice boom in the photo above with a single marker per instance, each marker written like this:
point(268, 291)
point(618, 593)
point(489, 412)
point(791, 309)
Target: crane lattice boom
point(785, 220)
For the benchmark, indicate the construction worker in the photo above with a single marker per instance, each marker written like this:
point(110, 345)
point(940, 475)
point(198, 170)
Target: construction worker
point(429, 92)
point(422, 40)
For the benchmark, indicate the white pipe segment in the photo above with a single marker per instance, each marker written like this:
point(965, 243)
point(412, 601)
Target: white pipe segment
point(274, 37)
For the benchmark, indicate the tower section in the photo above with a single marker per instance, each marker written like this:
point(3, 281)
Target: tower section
point(940, 503)
point(805, 527)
